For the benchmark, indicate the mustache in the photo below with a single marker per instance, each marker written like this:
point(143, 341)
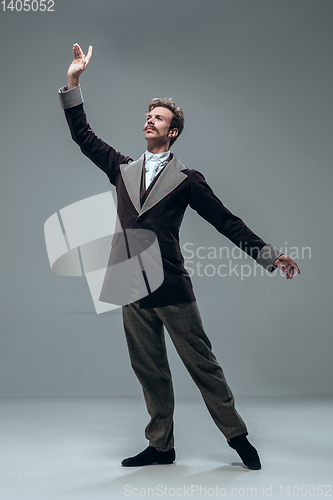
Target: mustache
point(150, 126)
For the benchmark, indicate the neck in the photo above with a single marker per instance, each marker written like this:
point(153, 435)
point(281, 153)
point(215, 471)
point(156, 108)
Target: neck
point(157, 148)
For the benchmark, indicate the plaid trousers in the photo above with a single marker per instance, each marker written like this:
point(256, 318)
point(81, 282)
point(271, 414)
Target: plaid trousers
point(146, 344)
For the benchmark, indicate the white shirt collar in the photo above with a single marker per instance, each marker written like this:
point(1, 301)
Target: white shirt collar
point(156, 157)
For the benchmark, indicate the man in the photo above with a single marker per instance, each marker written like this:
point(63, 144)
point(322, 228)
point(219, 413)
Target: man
point(153, 193)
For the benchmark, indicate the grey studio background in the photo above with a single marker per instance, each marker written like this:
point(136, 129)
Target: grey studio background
point(254, 79)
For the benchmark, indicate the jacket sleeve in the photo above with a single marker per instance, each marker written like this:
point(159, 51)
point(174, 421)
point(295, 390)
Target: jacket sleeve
point(209, 206)
point(98, 151)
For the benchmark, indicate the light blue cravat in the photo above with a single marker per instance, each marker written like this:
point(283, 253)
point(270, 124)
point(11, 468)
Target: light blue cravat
point(154, 163)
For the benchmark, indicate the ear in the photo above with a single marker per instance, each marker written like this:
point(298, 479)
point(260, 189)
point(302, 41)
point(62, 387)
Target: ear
point(173, 132)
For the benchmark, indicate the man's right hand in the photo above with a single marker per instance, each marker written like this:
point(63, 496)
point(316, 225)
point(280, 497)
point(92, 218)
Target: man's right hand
point(79, 64)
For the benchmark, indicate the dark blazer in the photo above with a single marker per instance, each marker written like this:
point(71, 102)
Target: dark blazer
point(163, 209)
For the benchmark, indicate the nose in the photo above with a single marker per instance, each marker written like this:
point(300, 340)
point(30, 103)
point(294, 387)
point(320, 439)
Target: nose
point(150, 121)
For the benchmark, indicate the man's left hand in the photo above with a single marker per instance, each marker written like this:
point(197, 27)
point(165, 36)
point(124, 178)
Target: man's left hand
point(287, 265)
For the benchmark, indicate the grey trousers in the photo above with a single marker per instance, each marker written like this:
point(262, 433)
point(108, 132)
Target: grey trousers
point(147, 350)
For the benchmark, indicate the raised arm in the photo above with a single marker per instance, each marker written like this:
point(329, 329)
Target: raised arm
point(71, 100)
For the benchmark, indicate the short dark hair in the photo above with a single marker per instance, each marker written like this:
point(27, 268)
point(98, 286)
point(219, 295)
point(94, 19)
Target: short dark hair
point(177, 121)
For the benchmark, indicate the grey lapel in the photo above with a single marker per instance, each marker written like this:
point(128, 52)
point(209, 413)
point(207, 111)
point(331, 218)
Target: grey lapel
point(131, 174)
point(169, 179)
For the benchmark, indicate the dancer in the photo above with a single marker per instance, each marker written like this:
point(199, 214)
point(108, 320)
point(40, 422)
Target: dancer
point(153, 193)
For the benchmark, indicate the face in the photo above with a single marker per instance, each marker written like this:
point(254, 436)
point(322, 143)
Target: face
point(157, 125)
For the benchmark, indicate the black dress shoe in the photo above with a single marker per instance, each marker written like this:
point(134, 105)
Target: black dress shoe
point(246, 451)
point(150, 456)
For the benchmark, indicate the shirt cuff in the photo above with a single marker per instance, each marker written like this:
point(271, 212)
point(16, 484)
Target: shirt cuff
point(267, 256)
point(70, 98)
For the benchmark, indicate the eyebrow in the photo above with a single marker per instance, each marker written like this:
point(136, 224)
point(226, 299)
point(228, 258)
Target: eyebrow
point(159, 116)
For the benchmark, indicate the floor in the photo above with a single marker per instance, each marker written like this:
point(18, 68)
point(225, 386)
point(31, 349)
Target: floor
point(71, 449)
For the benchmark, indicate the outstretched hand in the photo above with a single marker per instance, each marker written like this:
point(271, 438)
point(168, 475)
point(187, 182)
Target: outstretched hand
point(79, 64)
point(287, 265)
